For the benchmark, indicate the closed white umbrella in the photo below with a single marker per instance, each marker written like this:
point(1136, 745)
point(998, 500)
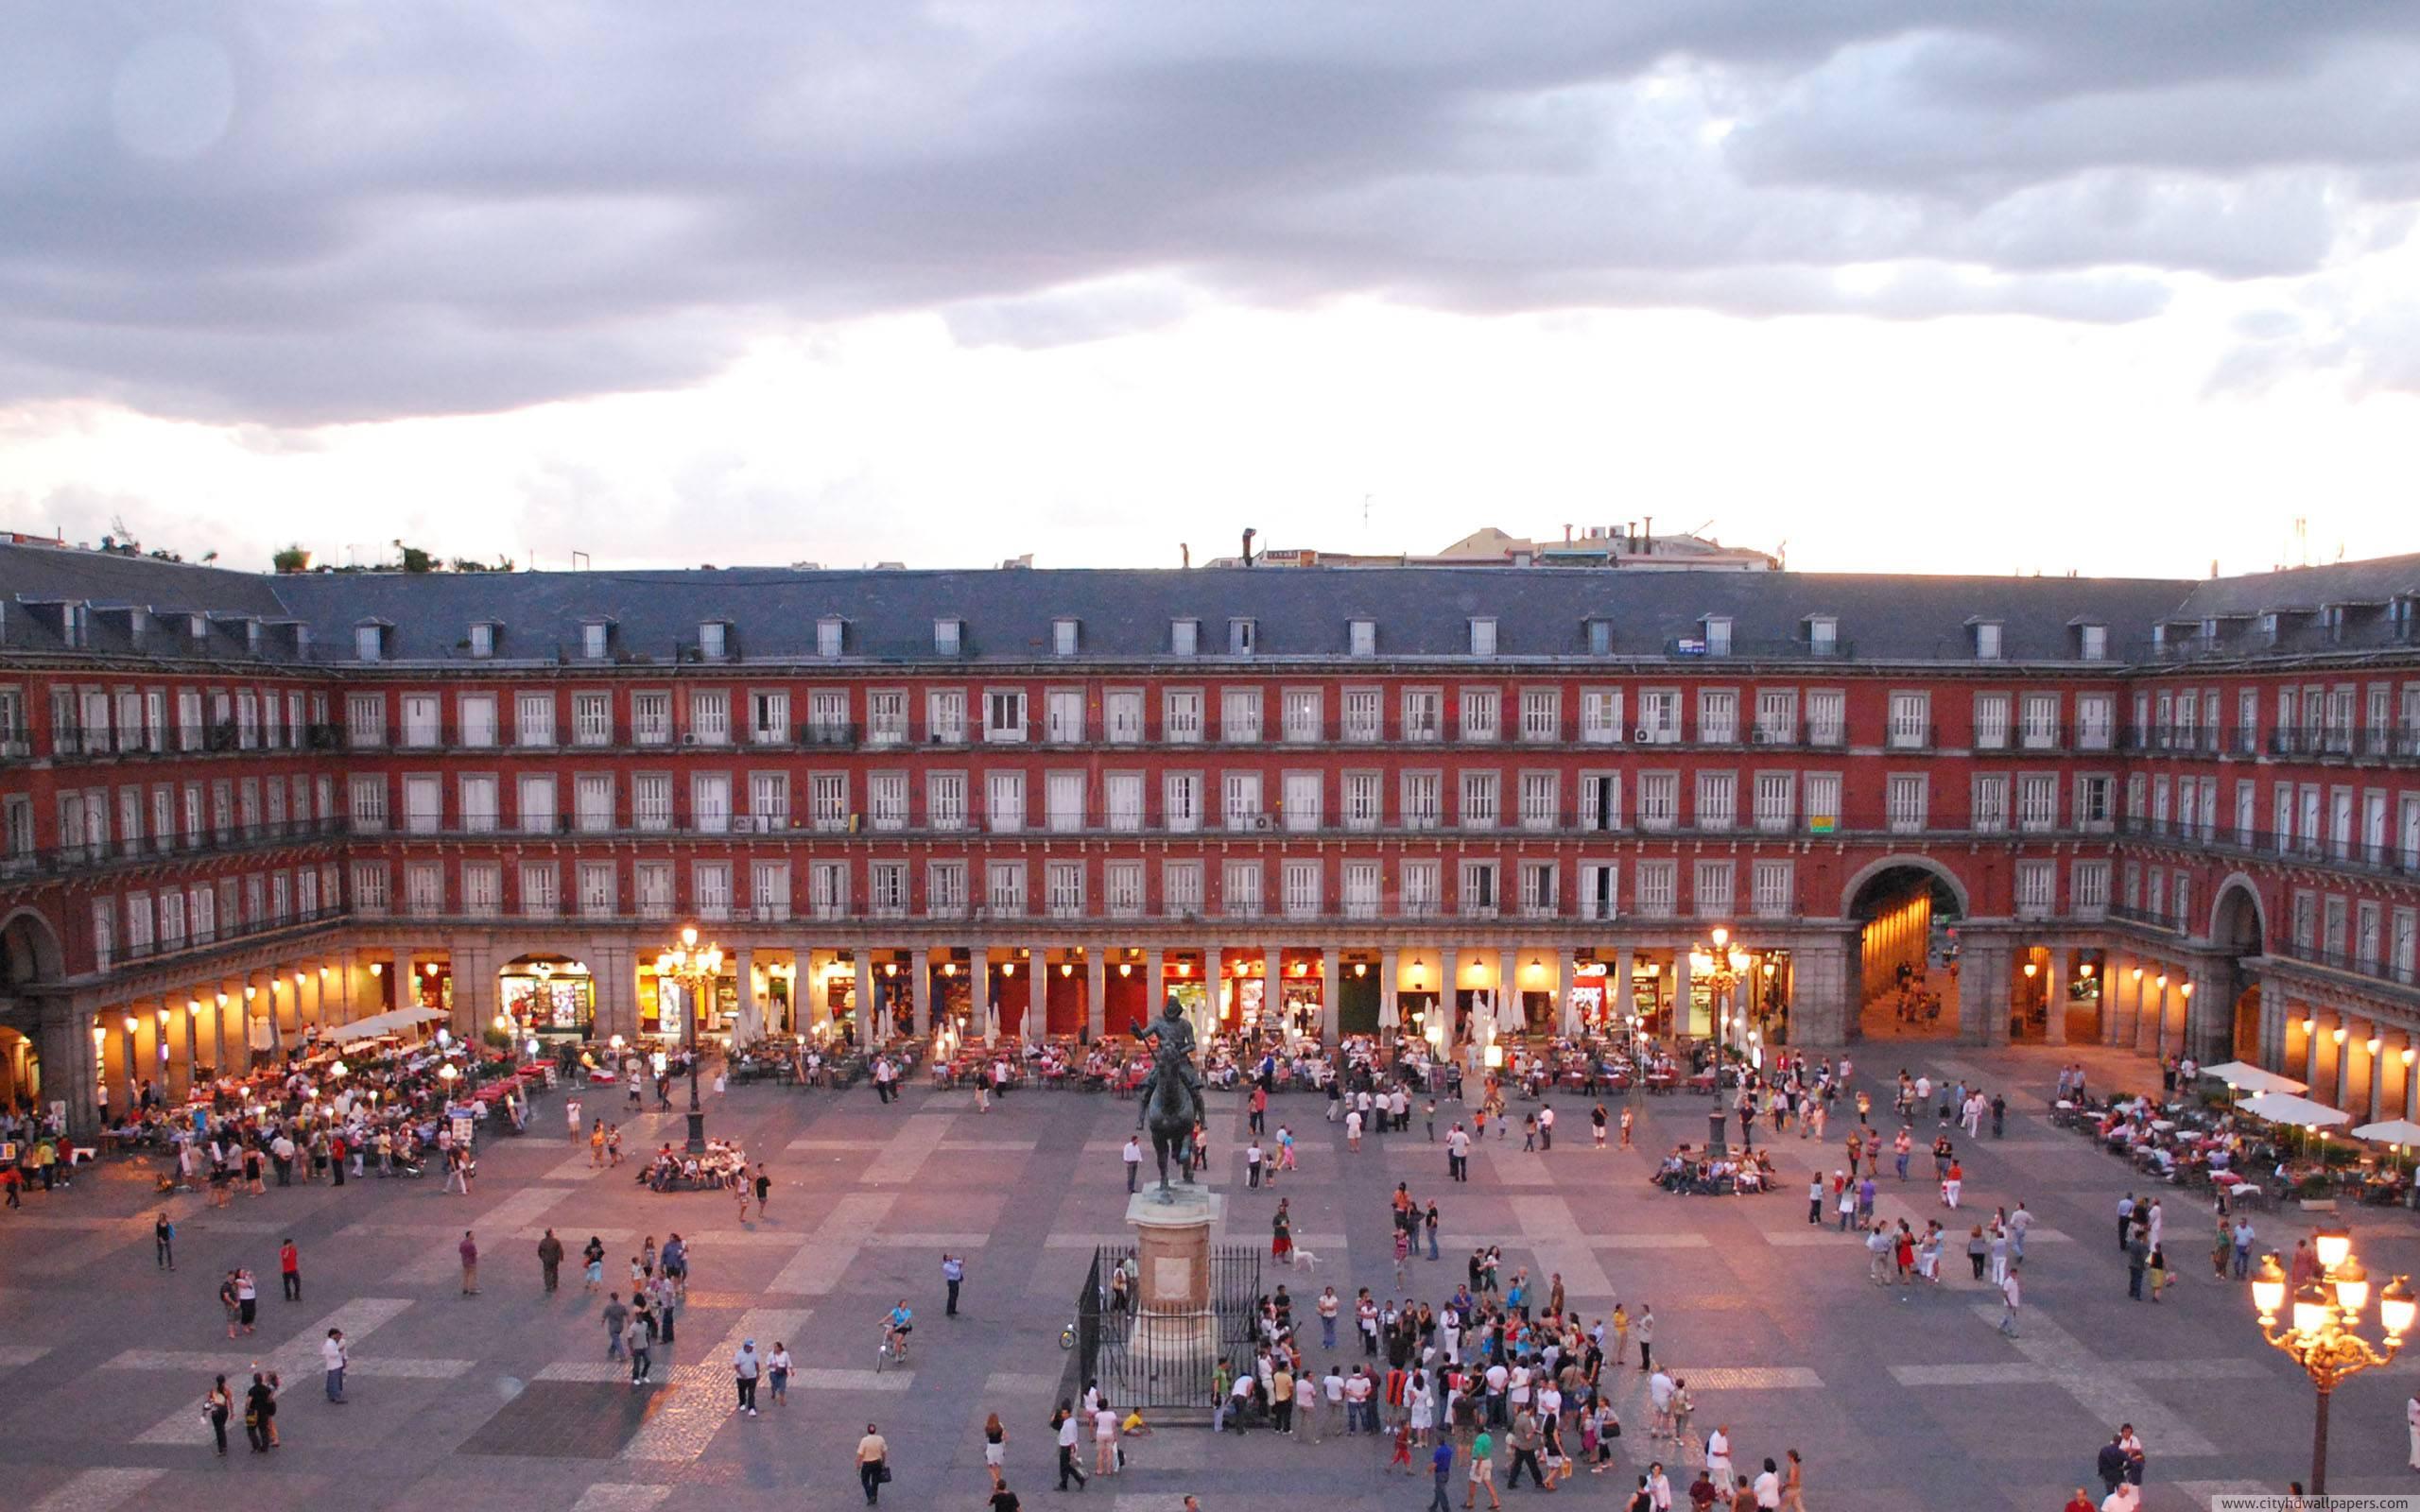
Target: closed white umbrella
point(2285, 1108)
point(2246, 1077)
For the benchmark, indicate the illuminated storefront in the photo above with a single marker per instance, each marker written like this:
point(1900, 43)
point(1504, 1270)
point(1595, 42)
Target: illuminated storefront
point(551, 997)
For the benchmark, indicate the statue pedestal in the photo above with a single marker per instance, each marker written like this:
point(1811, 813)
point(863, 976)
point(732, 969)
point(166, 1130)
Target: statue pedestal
point(1174, 1323)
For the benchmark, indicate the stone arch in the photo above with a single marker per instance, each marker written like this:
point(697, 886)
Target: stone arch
point(2236, 904)
point(1867, 874)
point(1899, 904)
point(30, 951)
point(2239, 928)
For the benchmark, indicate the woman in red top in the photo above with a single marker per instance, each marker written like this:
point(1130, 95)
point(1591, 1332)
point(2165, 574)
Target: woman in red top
point(1906, 1255)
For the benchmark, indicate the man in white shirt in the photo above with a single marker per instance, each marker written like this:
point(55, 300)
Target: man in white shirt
point(333, 1359)
point(1133, 1158)
point(1332, 1386)
point(1252, 1164)
point(1458, 1154)
point(1718, 1459)
point(1070, 1467)
point(1767, 1487)
point(1498, 1379)
point(2412, 1421)
point(2011, 1295)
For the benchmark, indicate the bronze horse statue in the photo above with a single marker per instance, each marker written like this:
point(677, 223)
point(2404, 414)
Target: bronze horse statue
point(1172, 1093)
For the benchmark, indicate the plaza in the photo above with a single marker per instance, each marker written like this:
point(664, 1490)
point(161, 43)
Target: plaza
point(507, 1398)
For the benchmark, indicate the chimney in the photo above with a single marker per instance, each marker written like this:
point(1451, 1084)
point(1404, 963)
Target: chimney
point(1566, 534)
point(1186, 553)
point(1647, 537)
point(1249, 533)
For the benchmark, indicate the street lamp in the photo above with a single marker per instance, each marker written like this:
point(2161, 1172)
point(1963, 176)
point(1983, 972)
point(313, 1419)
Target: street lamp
point(695, 967)
point(2320, 1333)
point(1720, 966)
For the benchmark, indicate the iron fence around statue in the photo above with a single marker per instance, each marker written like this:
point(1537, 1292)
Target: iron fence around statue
point(1162, 1363)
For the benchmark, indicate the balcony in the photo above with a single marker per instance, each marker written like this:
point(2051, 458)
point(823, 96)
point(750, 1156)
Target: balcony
point(2406, 977)
point(222, 936)
point(71, 860)
point(827, 733)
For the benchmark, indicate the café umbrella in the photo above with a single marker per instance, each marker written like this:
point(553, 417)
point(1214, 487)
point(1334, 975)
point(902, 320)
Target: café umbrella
point(2285, 1108)
point(2396, 1131)
point(2243, 1076)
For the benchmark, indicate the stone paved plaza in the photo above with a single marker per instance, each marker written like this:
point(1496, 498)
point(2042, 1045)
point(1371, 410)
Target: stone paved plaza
point(504, 1400)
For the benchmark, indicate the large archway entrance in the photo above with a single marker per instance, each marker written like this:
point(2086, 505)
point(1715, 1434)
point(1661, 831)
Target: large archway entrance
point(2239, 930)
point(30, 959)
point(1907, 909)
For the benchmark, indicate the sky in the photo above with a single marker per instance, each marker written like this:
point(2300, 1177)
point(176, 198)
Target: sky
point(1881, 284)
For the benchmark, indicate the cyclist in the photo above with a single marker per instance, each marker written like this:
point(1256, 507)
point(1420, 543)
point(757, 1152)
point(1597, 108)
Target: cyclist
point(896, 1325)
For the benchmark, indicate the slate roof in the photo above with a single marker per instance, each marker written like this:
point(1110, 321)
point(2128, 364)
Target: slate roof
point(1125, 614)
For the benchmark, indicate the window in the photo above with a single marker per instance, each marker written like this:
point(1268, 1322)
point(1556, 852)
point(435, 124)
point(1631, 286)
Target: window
point(421, 724)
point(1363, 637)
point(1776, 716)
point(945, 799)
point(424, 804)
point(651, 801)
point(1303, 723)
point(1181, 802)
point(887, 717)
point(1184, 637)
point(534, 802)
point(2093, 642)
point(1482, 637)
point(769, 891)
point(1123, 792)
point(1063, 716)
point(424, 892)
point(651, 718)
point(2037, 801)
point(1718, 634)
point(1240, 714)
point(710, 802)
point(593, 801)
point(1718, 801)
point(1910, 721)
point(1770, 886)
point(945, 889)
point(1422, 888)
point(1659, 801)
point(2096, 799)
point(1657, 883)
point(949, 637)
point(1600, 800)
point(886, 801)
point(1540, 801)
point(1302, 800)
point(1712, 894)
point(1423, 807)
point(365, 720)
point(1659, 717)
point(1478, 890)
point(1003, 888)
point(2037, 888)
point(714, 641)
point(1827, 717)
point(1776, 802)
point(946, 717)
point(1064, 888)
point(1987, 641)
point(1423, 714)
point(366, 804)
point(1122, 888)
point(369, 643)
point(827, 801)
point(1365, 800)
point(1004, 801)
point(1991, 721)
point(594, 639)
point(2406, 937)
point(540, 889)
point(591, 720)
point(1363, 719)
point(710, 716)
point(769, 714)
point(827, 889)
point(1240, 800)
point(1361, 889)
point(1239, 890)
point(1482, 799)
point(1063, 637)
point(1242, 635)
point(1004, 714)
point(1181, 887)
point(1904, 802)
point(1301, 882)
point(1482, 714)
point(1063, 801)
point(1600, 637)
point(1600, 717)
point(652, 886)
point(1600, 891)
point(533, 717)
point(1718, 717)
point(1122, 713)
point(1538, 890)
point(1180, 716)
point(2089, 884)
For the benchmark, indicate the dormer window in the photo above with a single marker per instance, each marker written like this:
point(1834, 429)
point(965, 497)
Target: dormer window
point(2269, 623)
point(831, 635)
point(197, 626)
point(482, 640)
point(1718, 634)
point(1600, 637)
point(595, 639)
point(1184, 637)
point(1822, 633)
point(2092, 642)
point(712, 640)
point(949, 637)
point(2333, 617)
point(1364, 637)
point(253, 636)
point(1987, 639)
point(1063, 637)
point(2398, 619)
point(370, 641)
point(1482, 637)
point(1241, 636)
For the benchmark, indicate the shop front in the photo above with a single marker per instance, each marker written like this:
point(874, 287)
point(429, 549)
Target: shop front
point(662, 999)
point(547, 998)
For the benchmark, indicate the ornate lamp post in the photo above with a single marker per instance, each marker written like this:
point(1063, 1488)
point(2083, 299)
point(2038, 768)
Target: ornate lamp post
point(1721, 966)
point(695, 967)
point(2319, 1335)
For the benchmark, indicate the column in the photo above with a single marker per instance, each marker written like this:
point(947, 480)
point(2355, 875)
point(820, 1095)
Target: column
point(2361, 1073)
point(1625, 999)
point(1214, 981)
point(2272, 1028)
point(743, 966)
point(1096, 991)
point(2054, 998)
point(868, 1033)
point(1984, 972)
point(1679, 993)
point(1331, 962)
point(68, 1070)
point(2120, 991)
point(1448, 1003)
point(615, 973)
point(1566, 974)
point(1155, 982)
point(920, 992)
point(1508, 987)
point(978, 1004)
point(1390, 1007)
point(1037, 995)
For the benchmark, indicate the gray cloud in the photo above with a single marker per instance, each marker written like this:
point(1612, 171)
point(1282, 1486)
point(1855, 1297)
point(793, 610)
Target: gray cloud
point(305, 214)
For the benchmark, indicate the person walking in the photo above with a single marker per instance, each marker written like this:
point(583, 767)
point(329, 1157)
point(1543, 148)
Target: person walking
point(1645, 1329)
point(764, 1185)
point(1132, 1155)
point(469, 1248)
point(2139, 1260)
point(995, 1449)
point(1483, 1473)
point(2011, 1297)
point(550, 1259)
point(744, 1367)
point(1064, 1421)
point(592, 1257)
point(873, 1464)
point(1441, 1467)
point(258, 1402)
point(616, 1318)
point(218, 1406)
point(953, 1275)
point(164, 1242)
point(635, 1339)
point(334, 1357)
point(289, 1270)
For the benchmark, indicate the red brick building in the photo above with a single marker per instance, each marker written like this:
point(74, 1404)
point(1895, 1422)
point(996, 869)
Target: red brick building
point(2165, 814)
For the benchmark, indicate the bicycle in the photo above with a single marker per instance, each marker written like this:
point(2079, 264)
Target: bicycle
point(1067, 1337)
point(893, 1349)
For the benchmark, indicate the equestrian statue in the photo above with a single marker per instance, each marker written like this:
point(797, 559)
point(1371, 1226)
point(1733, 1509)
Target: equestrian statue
point(1172, 1093)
